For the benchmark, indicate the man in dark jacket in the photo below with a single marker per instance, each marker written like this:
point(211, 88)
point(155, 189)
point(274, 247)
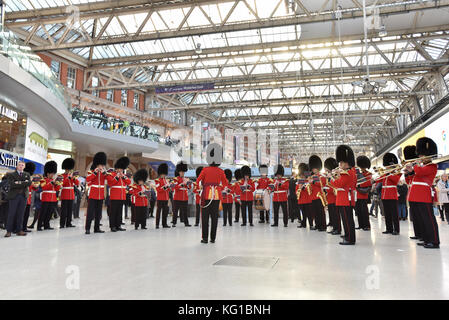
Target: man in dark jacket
point(293, 210)
point(19, 181)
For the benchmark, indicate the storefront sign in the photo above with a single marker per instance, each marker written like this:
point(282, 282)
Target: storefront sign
point(9, 113)
point(36, 142)
point(8, 159)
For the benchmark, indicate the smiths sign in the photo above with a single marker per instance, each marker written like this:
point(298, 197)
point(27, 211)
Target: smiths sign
point(11, 114)
point(9, 160)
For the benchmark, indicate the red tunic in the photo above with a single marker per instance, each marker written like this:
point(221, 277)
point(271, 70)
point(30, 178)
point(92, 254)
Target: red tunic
point(316, 186)
point(280, 189)
point(365, 184)
point(263, 183)
point(389, 186)
point(96, 183)
point(68, 192)
point(212, 179)
point(180, 189)
point(342, 184)
point(117, 186)
point(353, 188)
point(237, 192)
point(247, 194)
point(31, 188)
point(162, 189)
point(330, 195)
point(49, 189)
point(421, 187)
point(197, 192)
point(139, 200)
point(228, 197)
point(304, 196)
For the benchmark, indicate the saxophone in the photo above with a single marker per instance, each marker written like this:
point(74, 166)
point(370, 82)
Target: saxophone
point(322, 196)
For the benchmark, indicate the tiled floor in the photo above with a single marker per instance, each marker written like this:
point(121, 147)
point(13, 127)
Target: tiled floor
point(173, 264)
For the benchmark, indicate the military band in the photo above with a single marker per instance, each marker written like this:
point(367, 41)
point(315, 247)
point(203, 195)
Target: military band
point(340, 190)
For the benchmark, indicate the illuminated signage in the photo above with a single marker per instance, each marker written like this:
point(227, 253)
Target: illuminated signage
point(9, 113)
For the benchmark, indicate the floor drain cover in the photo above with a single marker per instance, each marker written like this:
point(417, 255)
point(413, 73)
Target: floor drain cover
point(251, 262)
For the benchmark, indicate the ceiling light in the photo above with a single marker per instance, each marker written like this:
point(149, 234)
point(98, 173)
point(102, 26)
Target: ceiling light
point(382, 31)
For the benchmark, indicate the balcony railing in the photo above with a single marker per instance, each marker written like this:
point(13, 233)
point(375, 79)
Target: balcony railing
point(117, 125)
point(22, 55)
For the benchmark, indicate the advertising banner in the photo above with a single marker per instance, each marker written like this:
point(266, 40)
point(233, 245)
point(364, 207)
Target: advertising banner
point(36, 142)
point(185, 88)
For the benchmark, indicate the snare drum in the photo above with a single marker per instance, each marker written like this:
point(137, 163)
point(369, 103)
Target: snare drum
point(262, 200)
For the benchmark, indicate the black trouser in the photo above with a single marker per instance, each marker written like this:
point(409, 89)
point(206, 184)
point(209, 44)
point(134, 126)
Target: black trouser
point(361, 208)
point(307, 212)
point(133, 213)
point(125, 203)
point(332, 215)
point(94, 210)
point(264, 215)
point(66, 213)
point(237, 211)
point(293, 209)
point(249, 205)
point(197, 214)
point(446, 210)
point(303, 213)
point(391, 215)
point(141, 217)
point(16, 209)
point(182, 207)
point(152, 203)
point(429, 222)
point(283, 205)
point(320, 216)
point(227, 213)
point(210, 211)
point(116, 214)
point(161, 205)
point(26, 215)
point(76, 208)
point(416, 218)
point(37, 213)
point(47, 210)
point(347, 220)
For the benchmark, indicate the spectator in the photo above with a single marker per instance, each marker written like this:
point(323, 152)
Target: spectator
point(19, 181)
point(443, 198)
point(402, 200)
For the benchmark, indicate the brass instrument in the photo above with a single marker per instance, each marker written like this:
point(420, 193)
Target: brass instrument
point(323, 198)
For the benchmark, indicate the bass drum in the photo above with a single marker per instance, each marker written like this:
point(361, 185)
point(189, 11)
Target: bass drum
point(262, 200)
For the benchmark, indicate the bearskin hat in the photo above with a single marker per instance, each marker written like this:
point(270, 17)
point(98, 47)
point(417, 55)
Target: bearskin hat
point(198, 171)
point(344, 153)
point(389, 159)
point(303, 167)
point(181, 166)
point(228, 174)
point(122, 163)
point(162, 169)
point(246, 171)
point(315, 162)
point(50, 167)
point(330, 163)
point(68, 164)
point(238, 174)
point(99, 159)
point(30, 167)
point(140, 175)
point(363, 162)
point(426, 147)
point(409, 152)
point(214, 154)
point(279, 170)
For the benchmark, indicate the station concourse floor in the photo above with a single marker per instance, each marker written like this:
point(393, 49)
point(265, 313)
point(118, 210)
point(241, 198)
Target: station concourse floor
point(173, 264)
